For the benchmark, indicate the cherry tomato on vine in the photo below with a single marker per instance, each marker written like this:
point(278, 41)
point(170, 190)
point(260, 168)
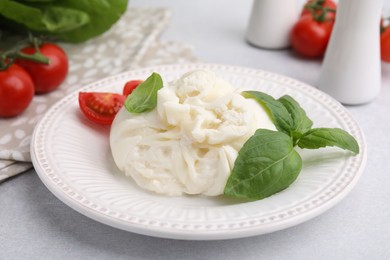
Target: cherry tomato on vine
point(130, 86)
point(100, 107)
point(16, 91)
point(46, 77)
point(385, 44)
point(309, 37)
point(330, 15)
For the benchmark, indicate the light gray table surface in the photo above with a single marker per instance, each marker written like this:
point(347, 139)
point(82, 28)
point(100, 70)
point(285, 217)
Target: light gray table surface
point(34, 224)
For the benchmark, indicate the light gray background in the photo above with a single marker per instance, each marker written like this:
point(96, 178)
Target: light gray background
point(36, 225)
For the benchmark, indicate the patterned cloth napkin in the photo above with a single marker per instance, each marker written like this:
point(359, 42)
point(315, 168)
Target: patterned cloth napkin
point(132, 42)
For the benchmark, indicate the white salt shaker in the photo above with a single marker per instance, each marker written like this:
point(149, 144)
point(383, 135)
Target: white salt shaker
point(271, 21)
point(351, 70)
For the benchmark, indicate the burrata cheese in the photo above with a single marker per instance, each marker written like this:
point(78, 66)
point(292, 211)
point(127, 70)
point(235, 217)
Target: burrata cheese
point(189, 143)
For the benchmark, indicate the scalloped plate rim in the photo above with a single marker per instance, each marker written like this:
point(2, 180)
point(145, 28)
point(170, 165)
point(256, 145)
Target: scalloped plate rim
point(150, 230)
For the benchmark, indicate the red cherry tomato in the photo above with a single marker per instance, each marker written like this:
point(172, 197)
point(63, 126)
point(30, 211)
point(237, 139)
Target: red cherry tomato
point(385, 44)
point(130, 86)
point(16, 91)
point(100, 107)
point(325, 3)
point(46, 77)
point(310, 38)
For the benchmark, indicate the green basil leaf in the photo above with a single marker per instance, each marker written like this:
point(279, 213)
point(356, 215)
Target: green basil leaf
point(322, 137)
point(144, 97)
point(265, 165)
point(277, 112)
point(301, 122)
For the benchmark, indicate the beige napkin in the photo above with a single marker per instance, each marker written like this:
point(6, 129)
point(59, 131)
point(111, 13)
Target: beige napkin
point(131, 43)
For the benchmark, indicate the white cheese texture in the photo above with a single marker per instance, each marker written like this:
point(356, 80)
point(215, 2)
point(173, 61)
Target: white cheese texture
point(189, 143)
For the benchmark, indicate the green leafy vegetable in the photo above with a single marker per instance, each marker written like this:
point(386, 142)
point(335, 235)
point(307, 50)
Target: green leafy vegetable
point(268, 163)
point(322, 137)
point(60, 19)
point(278, 113)
point(38, 1)
point(301, 122)
point(66, 20)
point(144, 97)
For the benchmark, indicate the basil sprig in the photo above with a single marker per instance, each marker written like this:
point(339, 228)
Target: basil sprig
point(144, 97)
point(268, 163)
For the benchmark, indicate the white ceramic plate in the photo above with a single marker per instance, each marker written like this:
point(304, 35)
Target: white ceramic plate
point(73, 159)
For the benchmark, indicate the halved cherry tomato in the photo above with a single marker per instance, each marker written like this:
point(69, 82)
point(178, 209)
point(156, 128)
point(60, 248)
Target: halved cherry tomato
point(16, 91)
point(100, 107)
point(130, 86)
point(46, 77)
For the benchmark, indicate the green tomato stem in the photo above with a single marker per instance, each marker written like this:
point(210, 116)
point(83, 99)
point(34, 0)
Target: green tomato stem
point(36, 57)
point(8, 58)
point(3, 63)
point(318, 10)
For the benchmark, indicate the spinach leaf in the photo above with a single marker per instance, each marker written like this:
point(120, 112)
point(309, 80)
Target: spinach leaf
point(102, 13)
point(60, 19)
point(266, 164)
point(49, 19)
point(144, 97)
point(322, 137)
point(41, 1)
point(277, 112)
point(66, 20)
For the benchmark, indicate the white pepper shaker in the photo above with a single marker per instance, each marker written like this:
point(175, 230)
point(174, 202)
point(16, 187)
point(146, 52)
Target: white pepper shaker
point(351, 69)
point(271, 21)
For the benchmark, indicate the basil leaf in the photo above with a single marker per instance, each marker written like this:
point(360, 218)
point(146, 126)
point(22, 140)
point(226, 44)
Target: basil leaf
point(301, 122)
point(322, 137)
point(265, 165)
point(144, 97)
point(277, 112)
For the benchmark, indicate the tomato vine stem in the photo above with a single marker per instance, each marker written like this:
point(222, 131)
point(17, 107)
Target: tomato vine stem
point(319, 11)
point(7, 58)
